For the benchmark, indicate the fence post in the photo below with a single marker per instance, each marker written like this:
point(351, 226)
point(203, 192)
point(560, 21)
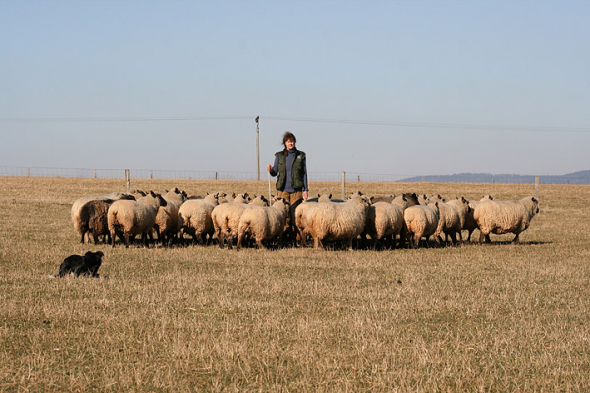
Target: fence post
point(152, 174)
point(343, 183)
point(127, 179)
point(29, 172)
point(537, 187)
point(215, 175)
point(95, 173)
point(358, 178)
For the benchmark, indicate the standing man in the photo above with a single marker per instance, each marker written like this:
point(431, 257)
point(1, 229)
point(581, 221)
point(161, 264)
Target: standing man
point(291, 168)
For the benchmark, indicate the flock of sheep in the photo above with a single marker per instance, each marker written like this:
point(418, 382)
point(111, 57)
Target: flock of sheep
point(240, 220)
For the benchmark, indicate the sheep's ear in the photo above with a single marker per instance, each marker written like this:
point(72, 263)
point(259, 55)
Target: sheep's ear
point(534, 199)
point(330, 196)
point(371, 199)
point(404, 198)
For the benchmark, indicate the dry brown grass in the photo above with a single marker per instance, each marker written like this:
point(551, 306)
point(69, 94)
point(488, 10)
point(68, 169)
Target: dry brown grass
point(497, 317)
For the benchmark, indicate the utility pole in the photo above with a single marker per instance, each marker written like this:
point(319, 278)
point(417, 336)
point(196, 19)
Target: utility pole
point(257, 149)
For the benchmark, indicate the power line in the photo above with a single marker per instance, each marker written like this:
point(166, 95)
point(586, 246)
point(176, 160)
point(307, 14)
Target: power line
point(460, 126)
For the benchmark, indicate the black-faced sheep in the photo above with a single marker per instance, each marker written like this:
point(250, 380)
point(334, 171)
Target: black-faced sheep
point(167, 224)
point(384, 220)
point(194, 218)
point(128, 218)
point(420, 221)
point(501, 217)
point(226, 218)
point(337, 221)
point(81, 223)
point(470, 223)
point(451, 218)
point(86, 265)
point(263, 223)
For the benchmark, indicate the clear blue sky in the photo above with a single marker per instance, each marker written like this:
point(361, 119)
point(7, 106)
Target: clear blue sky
point(383, 87)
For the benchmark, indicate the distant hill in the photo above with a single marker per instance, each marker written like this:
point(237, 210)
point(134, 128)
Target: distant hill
point(581, 177)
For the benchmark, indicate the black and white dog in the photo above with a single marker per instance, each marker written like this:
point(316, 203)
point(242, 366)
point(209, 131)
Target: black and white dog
point(86, 265)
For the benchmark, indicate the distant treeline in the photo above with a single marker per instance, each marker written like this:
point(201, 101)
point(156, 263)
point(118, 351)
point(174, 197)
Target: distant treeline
point(582, 177)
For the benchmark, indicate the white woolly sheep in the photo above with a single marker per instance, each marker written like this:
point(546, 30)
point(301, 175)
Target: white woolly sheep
point(451, 218)
point(263, 223)
point(337, 221)
point(383, 198)
point(384, 220)
point(501, 217)
point(470, 223)
point(127, 218)
point(421, 221)
point(194, 218)
point(464, 210)
point(226, 217)
point(425, 200)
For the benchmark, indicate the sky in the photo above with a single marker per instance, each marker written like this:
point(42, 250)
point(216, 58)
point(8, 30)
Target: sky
point(407, 88)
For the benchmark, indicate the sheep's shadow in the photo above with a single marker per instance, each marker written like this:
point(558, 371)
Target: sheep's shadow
point(509, 242)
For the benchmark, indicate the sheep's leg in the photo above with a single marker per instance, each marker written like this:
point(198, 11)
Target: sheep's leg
point(453, 236)
point(516, 239)
point(482, 236)
point(417, 237)
point(83, 235)
point(240, 238)
point(375, 241)
point(260, 245)
point(349, 244)
point(126, 239)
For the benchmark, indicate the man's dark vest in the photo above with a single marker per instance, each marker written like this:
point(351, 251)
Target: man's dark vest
point(296, 170)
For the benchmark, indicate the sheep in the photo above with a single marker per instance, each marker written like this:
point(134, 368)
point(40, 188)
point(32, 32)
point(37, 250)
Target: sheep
point(501, 217)
point(78, 203)
point(421, 221)
point(176, 196)
point(299, 220)
point(337, 221)
point(405, 200)
point(470, 223)
point(464, 210)
point(298, 215)
point(194, 217)
point(384, 220)
point(127, 218)
point(424, 200)
point(226, 217)
point(263, 223)
point(450, 220)
point(382, 198)
point(167, 225)
point(93, 219)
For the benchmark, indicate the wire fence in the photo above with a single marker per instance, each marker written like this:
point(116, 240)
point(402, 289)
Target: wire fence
point(13, 171)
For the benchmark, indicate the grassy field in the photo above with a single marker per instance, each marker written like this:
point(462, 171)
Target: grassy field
point(498, 318)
